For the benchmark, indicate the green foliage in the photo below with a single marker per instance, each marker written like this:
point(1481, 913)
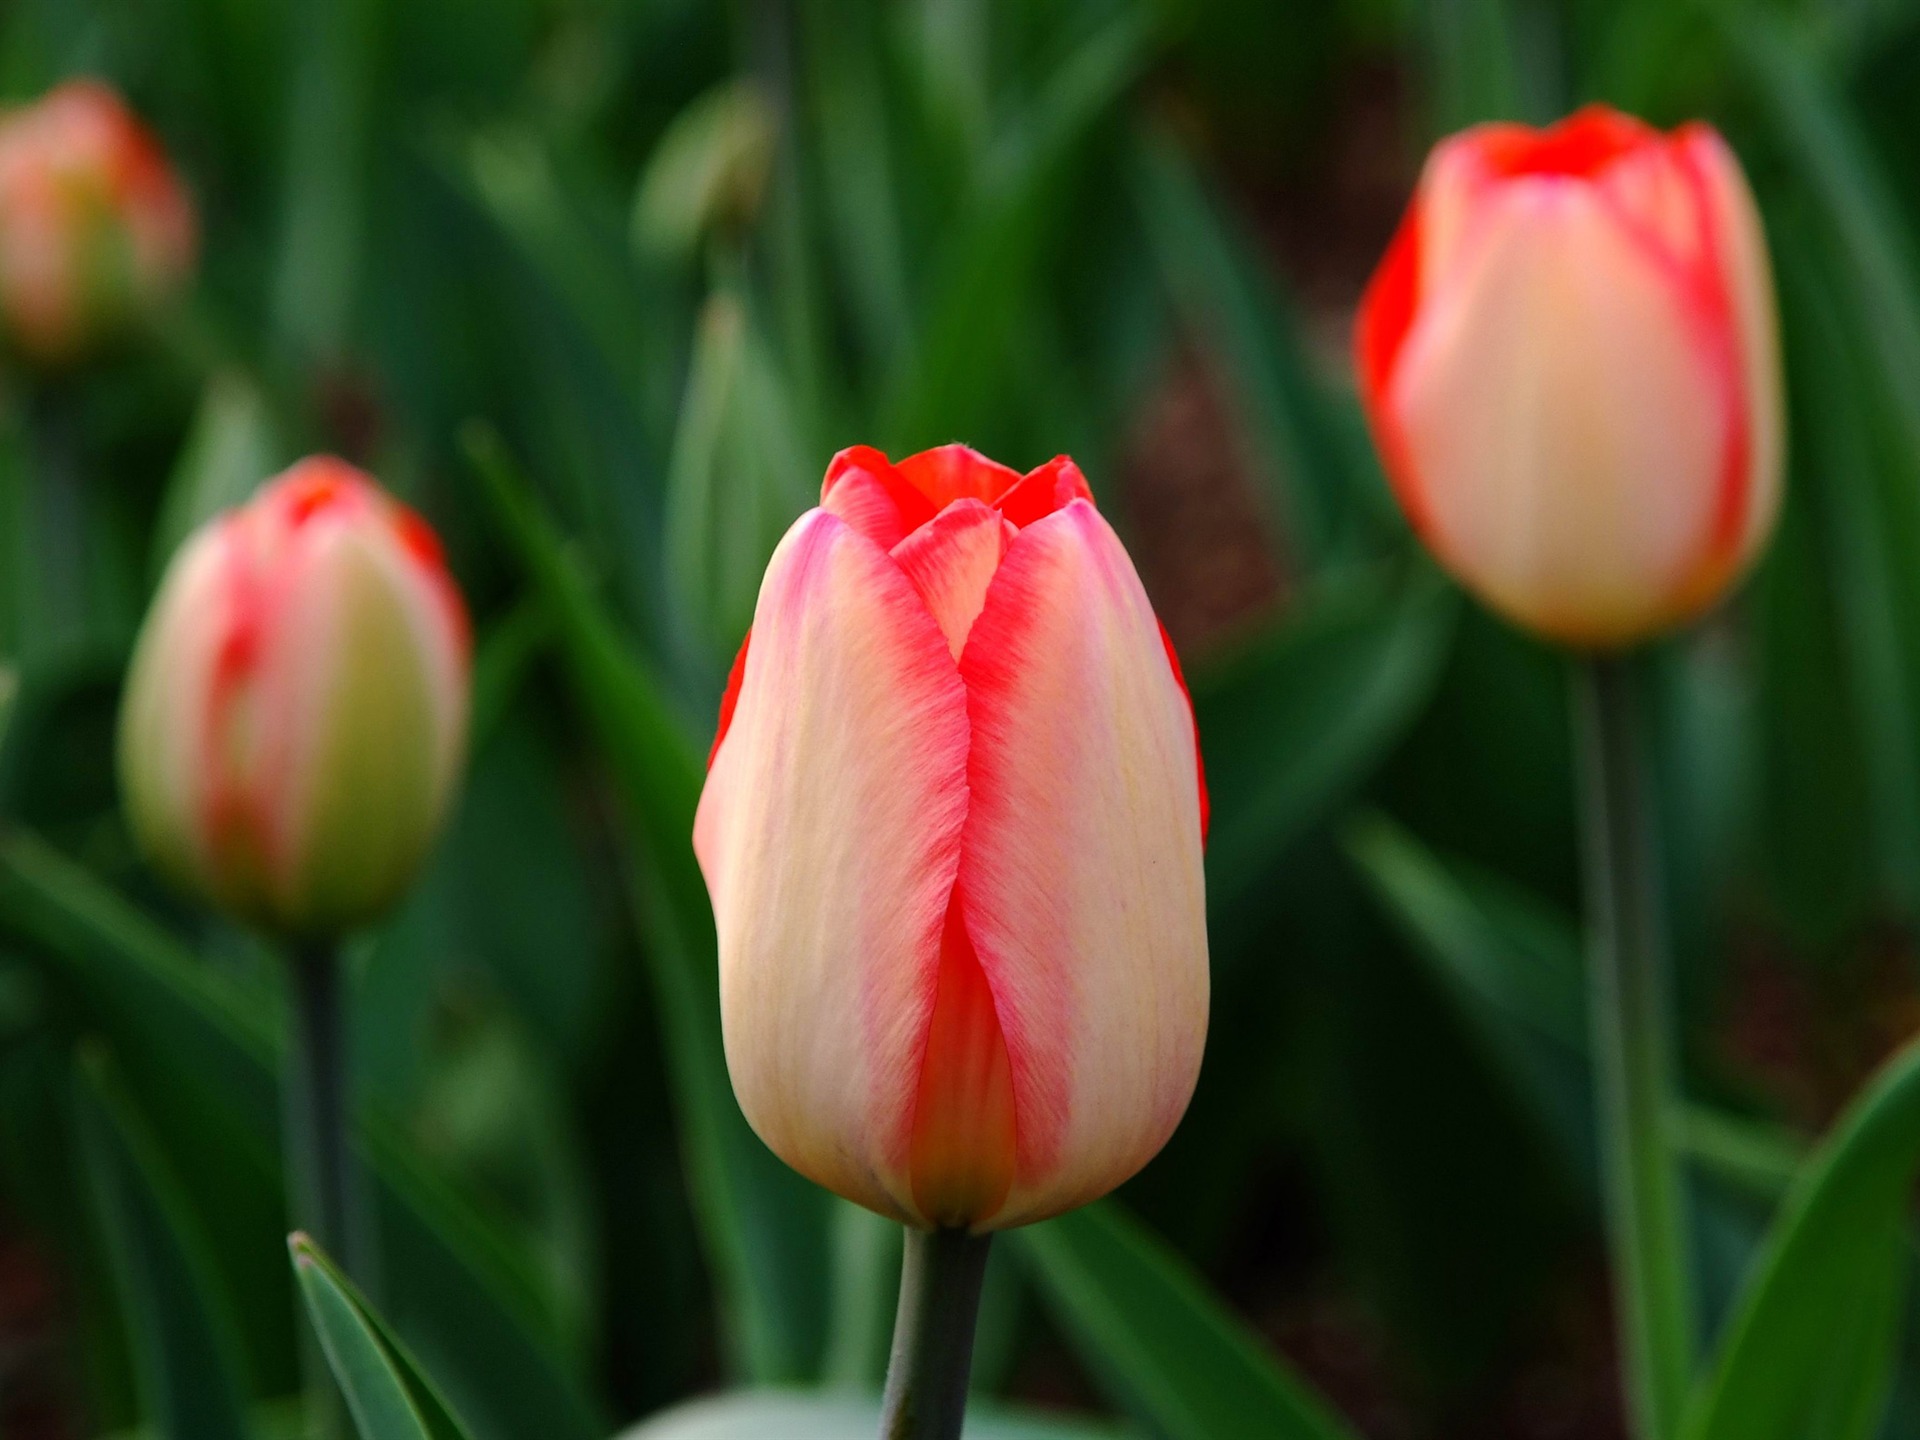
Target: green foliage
point(1170, 1353)
point(600, 288)
point(386, 1393)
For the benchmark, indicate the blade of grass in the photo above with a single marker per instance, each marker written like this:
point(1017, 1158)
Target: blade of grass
point(1810, 1349)
point(1166, 1349)
point(465, 1286)
point(390, 1397)
point(179, 1331)
point(764, 1227)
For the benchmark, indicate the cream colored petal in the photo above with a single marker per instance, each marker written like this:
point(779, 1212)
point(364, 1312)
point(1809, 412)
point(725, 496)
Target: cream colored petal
point(1562, 417)
point(1081, 872)
point(951, 560)
point(829, 834)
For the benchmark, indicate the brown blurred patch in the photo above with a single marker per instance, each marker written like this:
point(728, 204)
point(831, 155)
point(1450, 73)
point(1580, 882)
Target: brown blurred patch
point(36, 1399)
point(1808, 1035)
point(1200, 537)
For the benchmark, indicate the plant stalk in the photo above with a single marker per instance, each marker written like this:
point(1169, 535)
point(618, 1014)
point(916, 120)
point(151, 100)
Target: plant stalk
point(940, 1277)
point(320, 1180)
point(1633, 1053)
point(317, 1100)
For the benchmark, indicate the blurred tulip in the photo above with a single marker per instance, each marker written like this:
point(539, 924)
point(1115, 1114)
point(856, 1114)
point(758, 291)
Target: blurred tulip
point(295, 717)
point(952, 832)
point(95, 229)
point(1570, 363)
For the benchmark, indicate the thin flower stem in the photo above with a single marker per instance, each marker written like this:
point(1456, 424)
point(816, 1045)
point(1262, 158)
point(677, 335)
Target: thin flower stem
point(1633, 1054)
point(940, 1277)
point(320, 1180)
point(316, 1097)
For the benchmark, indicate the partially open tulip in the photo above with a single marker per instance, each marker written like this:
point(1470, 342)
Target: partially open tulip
point(95, 229)
point(952, 833)
point(1569, 361)
point(295, 717)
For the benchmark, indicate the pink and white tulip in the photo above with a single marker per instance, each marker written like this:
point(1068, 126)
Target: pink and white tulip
point(95, 227)
point(1570, 364)
point(952, 832)
point(295, 718)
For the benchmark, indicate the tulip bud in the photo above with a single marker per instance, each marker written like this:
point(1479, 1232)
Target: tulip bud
point(295, 718)
point(95, 229)
point(1570, 364)
point(952, 832)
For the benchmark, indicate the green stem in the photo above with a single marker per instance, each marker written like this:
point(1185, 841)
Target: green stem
point(1633, 1054)
point(62, 534)
point(316, 1092)
point(940, 1277)
point(320, 1180)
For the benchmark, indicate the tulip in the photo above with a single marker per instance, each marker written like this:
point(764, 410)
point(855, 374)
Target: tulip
point(95, 228)
point(295, 716)
point(952, 833)
point(1570, 365)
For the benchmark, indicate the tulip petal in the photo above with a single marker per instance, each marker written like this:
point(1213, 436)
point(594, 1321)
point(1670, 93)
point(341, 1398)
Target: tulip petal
point(864, 489)
point(829, 835)
point(951, 560)
point(1548, 294)
point(1081, 869)
point(1738, 255)
point(957, 472)
point(1041, 491)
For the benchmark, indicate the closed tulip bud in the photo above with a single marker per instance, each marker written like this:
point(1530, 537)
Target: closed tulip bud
point(95, 229)
point(1570, 364)
point(952, 832)
point(295, 718)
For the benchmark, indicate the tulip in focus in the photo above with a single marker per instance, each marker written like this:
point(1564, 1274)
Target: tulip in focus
point(296, 713)
point(95, 228)
point(952, 832)
point(1570, 365)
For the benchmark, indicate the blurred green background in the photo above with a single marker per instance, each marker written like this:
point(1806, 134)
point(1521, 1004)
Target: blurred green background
point(600, 285)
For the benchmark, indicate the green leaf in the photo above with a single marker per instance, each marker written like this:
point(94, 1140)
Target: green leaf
point(512, 177)
point(179, 1331)
point(463, 1292)
point(1225, 299)
point(795, 1415)
point(1165, 1347)
point(231, 448)
point(1854, 306)
point(855, 169)
point(764, 1227)
point(9, 691)
point(959, 369)
point(1513, 964)
point(1297, 718)
point(1809, 1351)
point(708, 172)
point(866, 1273)
point(1473, 64)
point(386, 1391)
point(317, 282)
point(738, 474)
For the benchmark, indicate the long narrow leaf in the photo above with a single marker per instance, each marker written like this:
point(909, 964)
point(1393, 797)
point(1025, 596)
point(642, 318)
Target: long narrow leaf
point(1296, 719)
point(765, 1229)
point(390, 1397)
point(1810, 1349)
point(1166, 1348)
point(179, 1331)
point(459, 1277)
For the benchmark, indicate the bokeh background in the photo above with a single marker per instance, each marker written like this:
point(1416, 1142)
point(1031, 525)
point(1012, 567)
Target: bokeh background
point(600, 285)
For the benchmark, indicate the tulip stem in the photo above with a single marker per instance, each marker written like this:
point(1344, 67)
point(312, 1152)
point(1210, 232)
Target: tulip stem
point(320, 1181)
point(1633, 1053)
point(940, 1277)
